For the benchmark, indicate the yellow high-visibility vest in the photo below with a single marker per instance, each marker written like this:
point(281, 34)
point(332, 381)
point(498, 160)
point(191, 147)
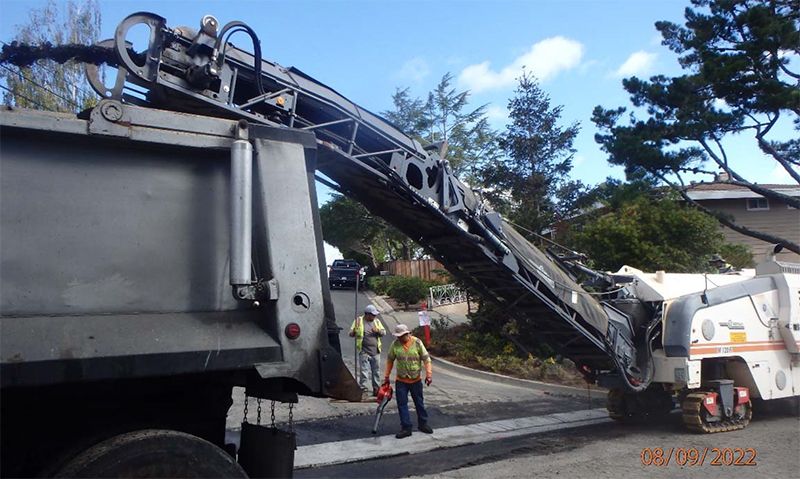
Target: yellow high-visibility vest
point(358, 328)
point(409, 362)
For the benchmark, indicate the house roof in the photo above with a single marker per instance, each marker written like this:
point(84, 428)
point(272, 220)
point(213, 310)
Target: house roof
point(725, 191)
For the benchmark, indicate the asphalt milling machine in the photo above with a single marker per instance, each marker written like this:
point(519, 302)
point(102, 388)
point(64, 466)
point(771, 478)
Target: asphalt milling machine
point(710, 342)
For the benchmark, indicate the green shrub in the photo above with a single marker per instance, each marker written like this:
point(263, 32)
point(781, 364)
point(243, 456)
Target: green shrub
point(379, 284)
point(737, 255)
point(407, 290)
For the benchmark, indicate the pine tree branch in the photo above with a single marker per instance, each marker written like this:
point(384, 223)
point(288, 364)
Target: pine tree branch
point(770, 150)
point(788, 72)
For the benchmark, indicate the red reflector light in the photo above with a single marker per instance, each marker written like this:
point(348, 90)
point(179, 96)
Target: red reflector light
point(292, 330)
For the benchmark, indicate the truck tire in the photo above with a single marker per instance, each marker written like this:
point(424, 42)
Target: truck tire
point(153, 453)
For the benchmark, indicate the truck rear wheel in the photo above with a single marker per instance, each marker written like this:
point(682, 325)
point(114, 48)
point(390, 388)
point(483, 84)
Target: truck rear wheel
point(153, 453)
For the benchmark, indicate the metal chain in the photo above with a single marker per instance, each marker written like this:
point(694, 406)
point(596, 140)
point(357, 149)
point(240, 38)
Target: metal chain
point(258, 401)
point(272, 414)
point(291, 417)
point(246, 400)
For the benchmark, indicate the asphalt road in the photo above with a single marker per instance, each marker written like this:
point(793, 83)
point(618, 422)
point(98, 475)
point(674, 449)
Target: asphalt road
point(771, 444)
point(461, 397)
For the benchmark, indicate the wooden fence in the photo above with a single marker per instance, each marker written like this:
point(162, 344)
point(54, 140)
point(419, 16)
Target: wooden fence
point(422, 268)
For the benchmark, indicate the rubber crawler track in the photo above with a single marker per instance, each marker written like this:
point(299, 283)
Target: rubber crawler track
point(692, 416)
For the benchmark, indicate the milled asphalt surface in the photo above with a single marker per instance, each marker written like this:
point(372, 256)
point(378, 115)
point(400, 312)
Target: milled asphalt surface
point(461, 396)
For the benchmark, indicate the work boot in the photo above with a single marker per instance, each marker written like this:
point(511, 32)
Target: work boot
point(425, 428)
point(403, 433)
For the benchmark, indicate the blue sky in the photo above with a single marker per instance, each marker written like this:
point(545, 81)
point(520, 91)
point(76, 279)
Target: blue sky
point(579, 49)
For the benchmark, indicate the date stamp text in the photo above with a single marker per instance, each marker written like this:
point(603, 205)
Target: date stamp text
point(698, 456)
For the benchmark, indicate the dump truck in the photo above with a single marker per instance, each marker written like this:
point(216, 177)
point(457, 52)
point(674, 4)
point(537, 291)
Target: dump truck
point(164, 246)
point(151, 261)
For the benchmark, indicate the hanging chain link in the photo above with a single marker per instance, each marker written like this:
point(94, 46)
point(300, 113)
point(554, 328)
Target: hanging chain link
point(271, 412)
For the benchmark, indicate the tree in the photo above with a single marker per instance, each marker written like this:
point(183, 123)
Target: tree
point(445, 117)
point(467, 133)
point(528, 183)
point(407, 290)
point(348, 226)
point(408, 114)
point(739, 81)
point(45, 84)
point(641, 229)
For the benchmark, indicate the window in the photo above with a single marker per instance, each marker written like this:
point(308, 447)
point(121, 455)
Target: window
point(757, 204)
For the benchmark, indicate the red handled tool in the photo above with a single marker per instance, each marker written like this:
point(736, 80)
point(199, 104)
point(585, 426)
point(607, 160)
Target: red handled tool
point(384, 396)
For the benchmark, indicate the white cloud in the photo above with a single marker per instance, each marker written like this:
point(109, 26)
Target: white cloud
point(545, 60)
point(414, 70)
point(638, 63)
point(578, 160)
point(497, 115)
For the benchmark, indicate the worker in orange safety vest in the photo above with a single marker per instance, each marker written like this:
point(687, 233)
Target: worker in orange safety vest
point(410, 355)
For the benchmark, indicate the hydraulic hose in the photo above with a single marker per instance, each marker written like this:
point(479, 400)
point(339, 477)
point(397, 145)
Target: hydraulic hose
point(229, 29)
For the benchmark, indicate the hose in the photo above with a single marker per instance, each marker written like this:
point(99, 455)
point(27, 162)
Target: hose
point(648, 378)
point(225, 33)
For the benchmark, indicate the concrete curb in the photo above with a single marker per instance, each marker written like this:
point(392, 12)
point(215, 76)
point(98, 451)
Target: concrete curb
point(382, 305)
point(331, 453)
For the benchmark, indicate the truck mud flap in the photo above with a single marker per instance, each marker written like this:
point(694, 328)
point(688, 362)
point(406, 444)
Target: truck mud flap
point(337, 381)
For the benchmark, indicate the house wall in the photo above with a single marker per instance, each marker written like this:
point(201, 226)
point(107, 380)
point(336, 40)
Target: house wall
point(779, 220)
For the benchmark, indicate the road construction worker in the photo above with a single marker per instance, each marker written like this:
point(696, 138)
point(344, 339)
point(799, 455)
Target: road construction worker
point(368, 330)
point(411, 356)
point(720, 264)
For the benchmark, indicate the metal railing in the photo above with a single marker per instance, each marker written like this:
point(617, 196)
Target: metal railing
point(446, 294)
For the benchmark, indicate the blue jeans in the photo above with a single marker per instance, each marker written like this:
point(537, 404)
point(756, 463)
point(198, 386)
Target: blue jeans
point(402, 389)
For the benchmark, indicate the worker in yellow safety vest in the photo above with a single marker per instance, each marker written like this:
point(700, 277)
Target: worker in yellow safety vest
point(410, 355)
point(368, 331)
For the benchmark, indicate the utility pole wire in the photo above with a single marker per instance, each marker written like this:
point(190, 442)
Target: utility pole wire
point(23, 97)
point(70, 101)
